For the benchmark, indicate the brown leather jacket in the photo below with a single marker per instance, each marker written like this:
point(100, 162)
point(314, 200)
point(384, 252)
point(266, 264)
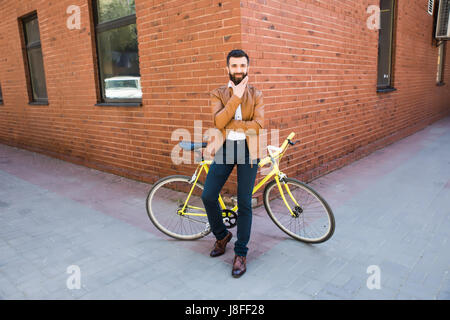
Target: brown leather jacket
point(224, 104)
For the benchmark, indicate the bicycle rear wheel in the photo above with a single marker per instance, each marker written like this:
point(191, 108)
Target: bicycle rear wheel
point(167, 197)
point(312, 222)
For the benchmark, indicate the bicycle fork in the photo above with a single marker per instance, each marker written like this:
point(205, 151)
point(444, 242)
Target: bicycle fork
point(298, 210)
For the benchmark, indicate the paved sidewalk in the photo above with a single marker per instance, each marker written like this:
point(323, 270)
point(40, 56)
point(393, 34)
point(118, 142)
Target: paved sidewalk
point(392, 211)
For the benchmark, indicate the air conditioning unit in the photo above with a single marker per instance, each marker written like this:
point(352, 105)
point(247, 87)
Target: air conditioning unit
point(443, 21)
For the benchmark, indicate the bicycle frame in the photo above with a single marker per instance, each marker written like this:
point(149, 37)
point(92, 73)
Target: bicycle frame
point(279, 176)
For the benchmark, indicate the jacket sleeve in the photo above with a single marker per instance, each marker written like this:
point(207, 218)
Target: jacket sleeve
point(222, 115)
point(253, 126)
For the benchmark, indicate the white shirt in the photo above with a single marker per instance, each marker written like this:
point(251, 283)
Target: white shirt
point(232, 134)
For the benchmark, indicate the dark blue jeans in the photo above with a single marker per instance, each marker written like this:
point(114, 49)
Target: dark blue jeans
point(230, 154)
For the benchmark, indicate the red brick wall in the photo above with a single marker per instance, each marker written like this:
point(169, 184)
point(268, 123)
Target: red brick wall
point(314, 61)
point(182, 47)
point(65, 127)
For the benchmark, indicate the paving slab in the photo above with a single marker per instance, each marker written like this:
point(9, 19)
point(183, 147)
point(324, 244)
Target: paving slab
point(392, 211)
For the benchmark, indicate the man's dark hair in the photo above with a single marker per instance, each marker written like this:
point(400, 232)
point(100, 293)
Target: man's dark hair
point(237, 54)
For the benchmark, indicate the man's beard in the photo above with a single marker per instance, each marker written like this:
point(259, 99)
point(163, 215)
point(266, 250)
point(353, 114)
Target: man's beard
point(235, 80)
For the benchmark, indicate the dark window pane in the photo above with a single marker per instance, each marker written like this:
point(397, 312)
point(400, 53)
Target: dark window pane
point(1, 97)
point(119, 63)
point(385, 43)
point(37, 74)
point(384, 52)
point(114, 9)
point(386, 4)
point(441, 62)
point(32, 31)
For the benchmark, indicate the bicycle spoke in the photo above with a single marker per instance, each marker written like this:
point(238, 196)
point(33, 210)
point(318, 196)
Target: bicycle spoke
point(167, 198)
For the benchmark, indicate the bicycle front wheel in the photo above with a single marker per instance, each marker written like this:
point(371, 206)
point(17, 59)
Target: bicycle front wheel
point(165, 203)
point(312, 220)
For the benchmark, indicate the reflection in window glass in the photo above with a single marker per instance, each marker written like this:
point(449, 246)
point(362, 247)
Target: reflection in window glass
point(117, 48)
point(36, 63)
point(123, 88)
point(32, 31)
point(121, 83)
point(385, 43)
point(35, 60)
point(114, 9)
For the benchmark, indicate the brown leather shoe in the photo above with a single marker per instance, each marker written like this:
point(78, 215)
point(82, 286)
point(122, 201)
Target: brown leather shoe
point(239, 266)
point(220, 245)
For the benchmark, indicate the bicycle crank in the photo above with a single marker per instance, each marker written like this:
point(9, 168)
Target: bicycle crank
point(229, 218)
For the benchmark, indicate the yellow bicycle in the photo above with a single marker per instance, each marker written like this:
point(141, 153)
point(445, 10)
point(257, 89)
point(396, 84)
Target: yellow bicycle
point(175, 207)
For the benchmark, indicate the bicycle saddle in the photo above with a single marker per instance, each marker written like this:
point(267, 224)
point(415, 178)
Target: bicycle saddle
point(189, 145)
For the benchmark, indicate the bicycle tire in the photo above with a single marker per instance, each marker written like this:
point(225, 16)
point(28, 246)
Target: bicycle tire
point(279, 221)
point(157, 221)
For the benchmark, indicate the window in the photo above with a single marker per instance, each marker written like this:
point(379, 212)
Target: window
point(1, 97)
point(34, 60)
point(117, 51)
point(441, 63)
point(385, 46)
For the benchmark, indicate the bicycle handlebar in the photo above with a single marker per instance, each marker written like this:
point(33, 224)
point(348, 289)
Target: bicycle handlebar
point(265, 161)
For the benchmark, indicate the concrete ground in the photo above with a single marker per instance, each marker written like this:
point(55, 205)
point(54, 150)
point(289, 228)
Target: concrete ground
point(392, 209)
